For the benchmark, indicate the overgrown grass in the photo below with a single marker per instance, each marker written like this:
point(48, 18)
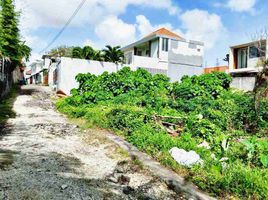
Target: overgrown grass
point(203, 108)
point(238, 179)
point(6, 105)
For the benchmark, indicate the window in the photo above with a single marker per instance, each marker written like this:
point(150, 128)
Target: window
point(242, 58)
point(165, 44)
point(254, 52)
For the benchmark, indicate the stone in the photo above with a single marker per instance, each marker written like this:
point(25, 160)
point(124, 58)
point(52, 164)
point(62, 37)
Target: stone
point(127, 190)
point(124, 180)
point(63, 187)
point(113, 179)
point(185, 158)
point(204, 144)
point(224, 159)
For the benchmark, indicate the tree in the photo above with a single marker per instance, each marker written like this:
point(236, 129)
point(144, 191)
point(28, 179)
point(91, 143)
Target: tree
point(24, 51)
point(88, 52)
point(260, 90)
point(77, 52)
point(113, 54)
point(98, 55)
point(10, 44)
point(10, 35)
point(61, 51)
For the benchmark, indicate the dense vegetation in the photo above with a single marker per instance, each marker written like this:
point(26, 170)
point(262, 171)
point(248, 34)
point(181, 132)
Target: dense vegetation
point(109, 54)
point(156, 115)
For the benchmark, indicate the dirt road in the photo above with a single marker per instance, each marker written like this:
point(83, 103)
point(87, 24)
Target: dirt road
point(43, 156)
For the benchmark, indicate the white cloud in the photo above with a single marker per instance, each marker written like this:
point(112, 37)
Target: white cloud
point(93, 44)
point(93, 15)
point(114, 31)
point(238, 5)
point(241, 5)
point(145, 27)
point(203, 26)
point(50, 13)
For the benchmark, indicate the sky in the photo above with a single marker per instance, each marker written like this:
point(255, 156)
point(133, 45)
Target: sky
point(217, 23)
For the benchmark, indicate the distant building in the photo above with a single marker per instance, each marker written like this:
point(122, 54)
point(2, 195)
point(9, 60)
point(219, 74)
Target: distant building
point(244, 63)
point(37, 72)
point(167, 53)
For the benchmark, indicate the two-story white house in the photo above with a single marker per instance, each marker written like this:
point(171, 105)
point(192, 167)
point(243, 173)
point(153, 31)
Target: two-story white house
point(167, 53)
point(244, 63)
point(37, 73)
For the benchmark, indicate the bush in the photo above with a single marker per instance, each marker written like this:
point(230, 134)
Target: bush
point(204, 108)
point(127, 120)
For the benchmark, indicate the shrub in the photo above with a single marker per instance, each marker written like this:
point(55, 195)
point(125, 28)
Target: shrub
point(203, 108)
point(127, 120)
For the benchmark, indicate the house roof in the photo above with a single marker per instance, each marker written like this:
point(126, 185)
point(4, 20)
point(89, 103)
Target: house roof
point(245, 44)
point(164, 32)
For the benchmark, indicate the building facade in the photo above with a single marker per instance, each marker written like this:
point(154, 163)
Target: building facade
point(245, 62)
point(167, 53)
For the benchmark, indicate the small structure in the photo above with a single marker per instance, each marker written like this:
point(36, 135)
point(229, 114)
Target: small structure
point(244, 63)
point(167, 53)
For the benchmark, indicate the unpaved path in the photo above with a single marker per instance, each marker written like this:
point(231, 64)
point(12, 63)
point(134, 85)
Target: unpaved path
point(42, 156)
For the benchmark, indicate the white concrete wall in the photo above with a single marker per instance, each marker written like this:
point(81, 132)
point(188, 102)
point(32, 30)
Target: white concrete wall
point(47, 63)
point(177, 71)
point(69, 68)
point(243, 83)
point(147, 62)
point(184, 49)
point(51, 71)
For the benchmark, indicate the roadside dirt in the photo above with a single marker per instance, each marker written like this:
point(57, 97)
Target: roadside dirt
point(43, 156)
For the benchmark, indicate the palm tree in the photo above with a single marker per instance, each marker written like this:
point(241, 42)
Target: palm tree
point(98, 55)
point(77, 52)
point(113, 54)
point(88, 52)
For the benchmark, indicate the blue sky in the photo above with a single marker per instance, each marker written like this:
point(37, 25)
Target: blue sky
point(218, 23)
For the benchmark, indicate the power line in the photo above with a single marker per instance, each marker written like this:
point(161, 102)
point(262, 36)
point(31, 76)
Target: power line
point(65, 26)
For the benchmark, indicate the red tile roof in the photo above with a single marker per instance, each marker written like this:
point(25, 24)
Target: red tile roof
point(165, 32)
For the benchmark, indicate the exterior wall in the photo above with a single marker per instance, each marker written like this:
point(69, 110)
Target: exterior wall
point(47, 63)
point(147, 62)
point(36, 67)
point(69, 68)
point(245, 83)
point(185, 58)
point(51, 75)
point(187, 53)
point(177, 71)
